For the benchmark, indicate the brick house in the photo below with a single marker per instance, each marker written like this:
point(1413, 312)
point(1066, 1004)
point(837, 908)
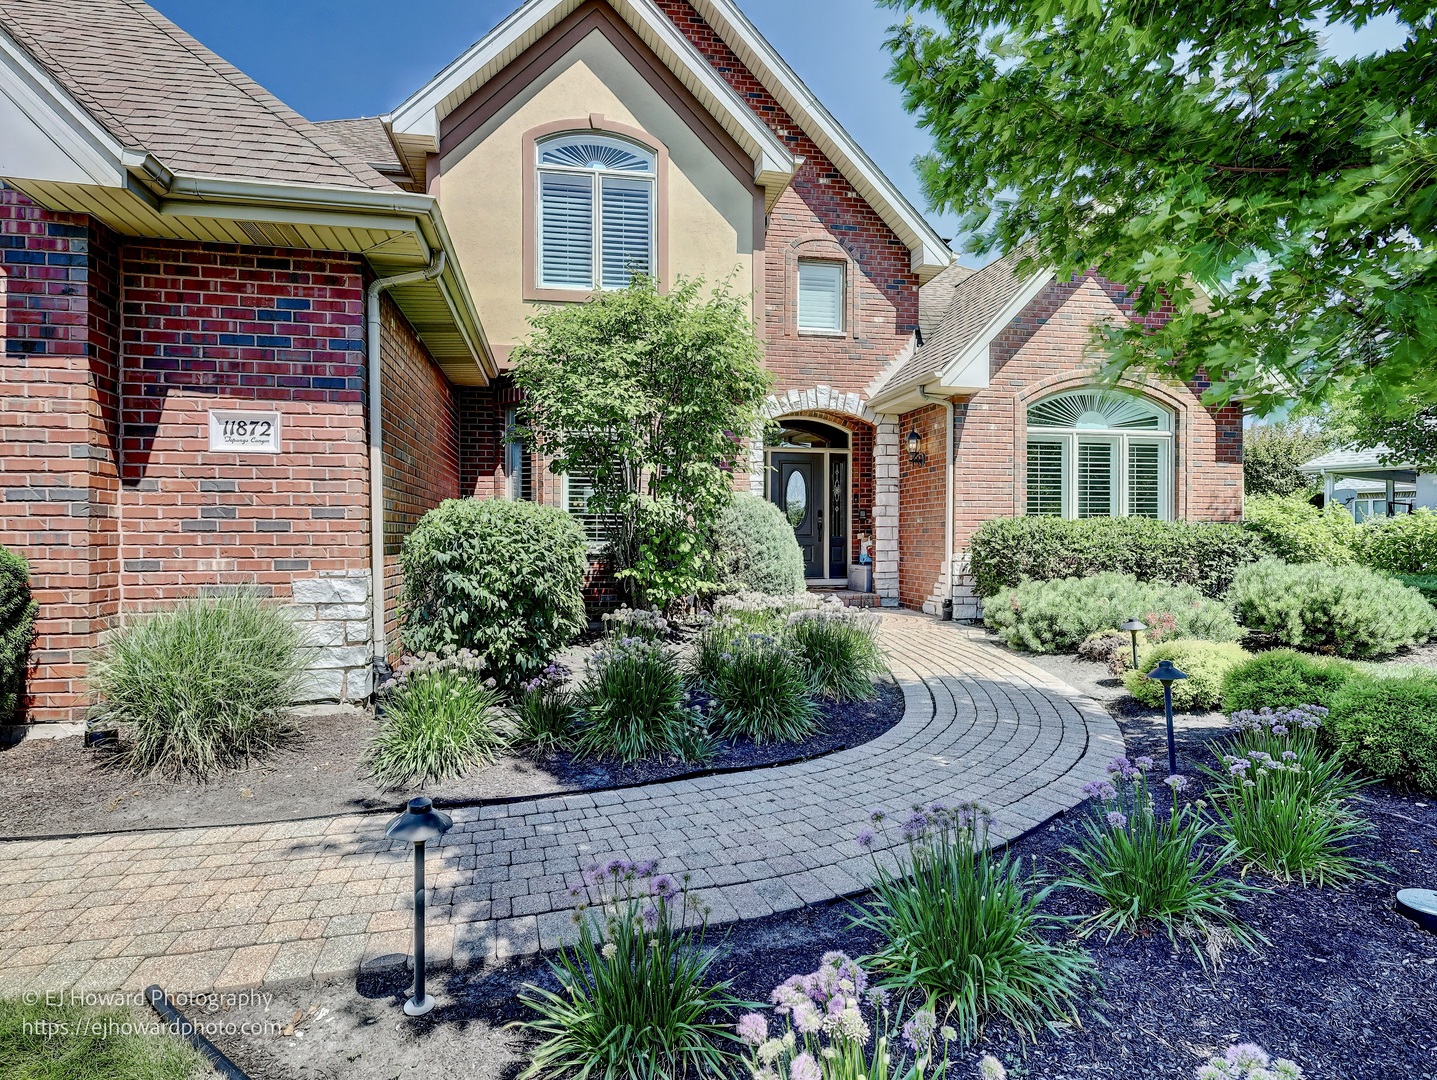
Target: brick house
point(209, 382)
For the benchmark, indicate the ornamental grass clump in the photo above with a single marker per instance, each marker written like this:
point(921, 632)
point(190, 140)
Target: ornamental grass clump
point(760, 692)
point(439, 718)
point(202, 687)
point(632, 702)
point(1149, 867)
point(838, 648)
point(544, 712)
point(961, 923)
point(636, 999)
point(1287, 812)
point(837, 1028)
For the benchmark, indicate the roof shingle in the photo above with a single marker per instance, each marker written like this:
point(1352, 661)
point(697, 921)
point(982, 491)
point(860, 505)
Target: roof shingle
point(365, 135)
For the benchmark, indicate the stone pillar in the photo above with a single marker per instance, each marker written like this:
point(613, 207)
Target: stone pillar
point(332, 612)
point(885, 510)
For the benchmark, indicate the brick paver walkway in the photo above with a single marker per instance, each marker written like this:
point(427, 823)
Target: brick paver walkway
point(232, 907)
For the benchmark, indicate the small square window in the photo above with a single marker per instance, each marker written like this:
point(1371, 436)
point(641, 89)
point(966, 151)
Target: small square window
point(820, 296)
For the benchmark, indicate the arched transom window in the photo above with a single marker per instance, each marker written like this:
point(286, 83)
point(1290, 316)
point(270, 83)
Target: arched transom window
point(1099, 453)
point(596, 211)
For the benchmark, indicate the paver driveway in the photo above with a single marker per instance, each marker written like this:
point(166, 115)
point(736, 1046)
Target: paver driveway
point(232, 907)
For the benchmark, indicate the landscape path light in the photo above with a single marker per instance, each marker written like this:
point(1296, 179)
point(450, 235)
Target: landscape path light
point(1134, 627)
point(1167, 673)
point(419, 824)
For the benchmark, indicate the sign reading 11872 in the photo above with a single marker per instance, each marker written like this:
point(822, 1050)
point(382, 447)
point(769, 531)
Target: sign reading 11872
point(244, 432)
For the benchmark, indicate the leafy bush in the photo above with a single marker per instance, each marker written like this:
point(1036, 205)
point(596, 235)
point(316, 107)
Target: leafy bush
point(756, 549)
point(837, 647)
point(201, 687)
point(632, 699)
point(1272, 454)
point(1284, 679)
point(1205, 663)
point(760, 692)
point(17, 629)
point(1055, 616)
point(59, 1040)
point(636, 999)
point(544, 712)
point(1388, 727)
point(959, 922)
point(1111, 648)
point(1005, 551)
point(439, 718)
point(1295, 530)
point(498, 577)
point(1148, 867)
point(1405, 544)
point(1349, 610)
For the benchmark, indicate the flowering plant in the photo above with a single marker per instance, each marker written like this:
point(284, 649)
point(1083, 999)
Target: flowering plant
point(828, 1035)
point(643, 623)
point(634, 707)
point(759, 611)
point(544, 711)
point(838, 647)
point(1248, 1061)
point(759, 690)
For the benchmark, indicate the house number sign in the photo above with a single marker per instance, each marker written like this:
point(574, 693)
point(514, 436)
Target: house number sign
point(244, 432)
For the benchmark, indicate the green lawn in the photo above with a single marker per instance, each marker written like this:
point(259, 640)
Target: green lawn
point(45, 1042)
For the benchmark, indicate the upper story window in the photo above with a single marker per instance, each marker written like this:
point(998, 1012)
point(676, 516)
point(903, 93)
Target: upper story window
point(596, 211)
point(1099, 453)
point(820, 296)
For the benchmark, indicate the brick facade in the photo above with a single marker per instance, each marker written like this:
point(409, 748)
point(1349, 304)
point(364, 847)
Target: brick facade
point(921, 506)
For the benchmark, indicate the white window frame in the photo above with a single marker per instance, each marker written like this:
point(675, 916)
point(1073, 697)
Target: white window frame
point(841, 302)
point(597, 177)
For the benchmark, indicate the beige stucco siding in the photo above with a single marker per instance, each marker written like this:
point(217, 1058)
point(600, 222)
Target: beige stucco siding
point(711, 212)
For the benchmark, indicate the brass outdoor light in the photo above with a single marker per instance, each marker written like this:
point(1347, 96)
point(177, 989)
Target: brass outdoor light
point(419, 824)
point(1167, 673)
point(1134, 627)
point(916, 455)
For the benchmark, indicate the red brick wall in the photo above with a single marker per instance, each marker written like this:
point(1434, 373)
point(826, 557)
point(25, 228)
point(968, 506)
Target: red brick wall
point(922, 503)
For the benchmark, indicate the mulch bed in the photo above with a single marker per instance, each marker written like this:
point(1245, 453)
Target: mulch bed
point(56, 787)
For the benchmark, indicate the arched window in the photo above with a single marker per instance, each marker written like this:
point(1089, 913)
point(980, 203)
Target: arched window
point(1099, 453)
point(596, 211)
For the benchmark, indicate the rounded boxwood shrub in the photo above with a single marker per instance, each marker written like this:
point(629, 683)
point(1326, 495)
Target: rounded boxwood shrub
point(201, 687)
point(1349, 610)
point(1388, 727)
point(503, 579)
point(1205, 663)
point(756, 549)
point(17, 629)
point(1295, 530)
point(1284, 679)
point(1056, 616)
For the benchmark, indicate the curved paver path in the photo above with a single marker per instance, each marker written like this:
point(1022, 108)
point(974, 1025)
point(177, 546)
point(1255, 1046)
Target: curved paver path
point(232, 907)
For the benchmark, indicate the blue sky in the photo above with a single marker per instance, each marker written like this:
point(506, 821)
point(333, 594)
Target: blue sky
point(337, 58)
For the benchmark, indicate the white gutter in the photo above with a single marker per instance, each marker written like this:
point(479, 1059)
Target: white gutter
point(376, 445)
point(948, 501)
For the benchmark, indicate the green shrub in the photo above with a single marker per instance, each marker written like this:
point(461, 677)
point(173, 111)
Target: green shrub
point(1005, 551)
point(1056, 616)
point(544, 713)
point(498, 577)
point(17, 630)
point(1284, 679)
point(439, 719)
point(960, 923)
point(633, 706)
point(201, 687)
point(756, 549)
point(760, 692)
point(1205, 663)
point(1388, 728)
point(1405, 544)
point(837, 647)
point(1111, 648)
point(57, 1040)
point(1295, 530)
point(1426, 584)
point(1349, 610)
point(1272, 454)
point(636, 998)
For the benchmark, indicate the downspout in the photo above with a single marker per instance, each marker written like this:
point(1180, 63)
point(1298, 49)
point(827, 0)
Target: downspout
point(377, 287)
point(945, 607)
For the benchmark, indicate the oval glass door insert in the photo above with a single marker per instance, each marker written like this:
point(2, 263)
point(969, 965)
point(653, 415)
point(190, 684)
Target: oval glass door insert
point(795, 498)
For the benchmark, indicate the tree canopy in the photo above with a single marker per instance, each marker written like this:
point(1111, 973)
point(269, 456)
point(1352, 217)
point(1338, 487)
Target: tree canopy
point(1210, 155)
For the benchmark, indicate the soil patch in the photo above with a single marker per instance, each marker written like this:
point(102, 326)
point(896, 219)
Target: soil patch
point(52, 787)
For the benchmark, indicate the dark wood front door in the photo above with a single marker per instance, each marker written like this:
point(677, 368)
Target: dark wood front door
point(799, 491)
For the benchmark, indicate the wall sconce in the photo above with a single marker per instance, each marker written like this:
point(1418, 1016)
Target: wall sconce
point(916, 456)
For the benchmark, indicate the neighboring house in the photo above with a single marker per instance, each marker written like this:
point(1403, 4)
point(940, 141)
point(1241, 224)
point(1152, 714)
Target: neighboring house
point(1370, 484)
point(177, 245)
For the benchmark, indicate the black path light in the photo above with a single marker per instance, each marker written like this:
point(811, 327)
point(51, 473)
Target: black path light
point(1167, 673)
point(1134, 627)
point(419, 824)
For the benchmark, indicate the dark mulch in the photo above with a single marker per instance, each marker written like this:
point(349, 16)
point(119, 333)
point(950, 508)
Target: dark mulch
point(58, 787)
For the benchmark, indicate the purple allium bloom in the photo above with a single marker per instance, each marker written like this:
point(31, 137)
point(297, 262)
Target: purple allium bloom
point(807, 1020)
point(1177, 783)
point(804, 1067)
point(937, 808)
point(664, 886)
point(1107, 791)
point(914, 825)
point(650, 916)
point(1143, 762)
point(1090, 789)
point(645, 868)
point(1247, 1055)
point(865, 838)
point(1117, 820)
point(918, 1032)
point(617, 868)
point(752, 1028)
point(877, 814)
point(1289, 755)
point(1237, 767)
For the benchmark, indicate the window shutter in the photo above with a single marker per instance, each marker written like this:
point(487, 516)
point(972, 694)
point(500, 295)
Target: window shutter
point(628, 223)
point(1144, 483)
point(1045, 479)
point(820, 296)
point(566, 231)
point(1095, 479)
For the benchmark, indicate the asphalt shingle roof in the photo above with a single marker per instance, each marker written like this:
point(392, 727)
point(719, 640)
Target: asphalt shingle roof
point(365, 135)
point(935, 298)
point(156, 89)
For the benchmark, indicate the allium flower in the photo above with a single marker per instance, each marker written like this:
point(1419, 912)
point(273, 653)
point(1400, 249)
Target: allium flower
point(877, 814)
point(650, 917)
point(1117, 820)
point(1144, 763)
point(804, 1067)
point(807, 1020)
point(865, 838)
point(752, 1028)
point(990, 1068)
point(1177, 783)
point(918, 1032)
point(664, 886)
point(914, 825)
point(1247, 1056)
point(610, 950)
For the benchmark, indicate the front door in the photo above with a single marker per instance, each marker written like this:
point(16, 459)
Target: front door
point(798, 490)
